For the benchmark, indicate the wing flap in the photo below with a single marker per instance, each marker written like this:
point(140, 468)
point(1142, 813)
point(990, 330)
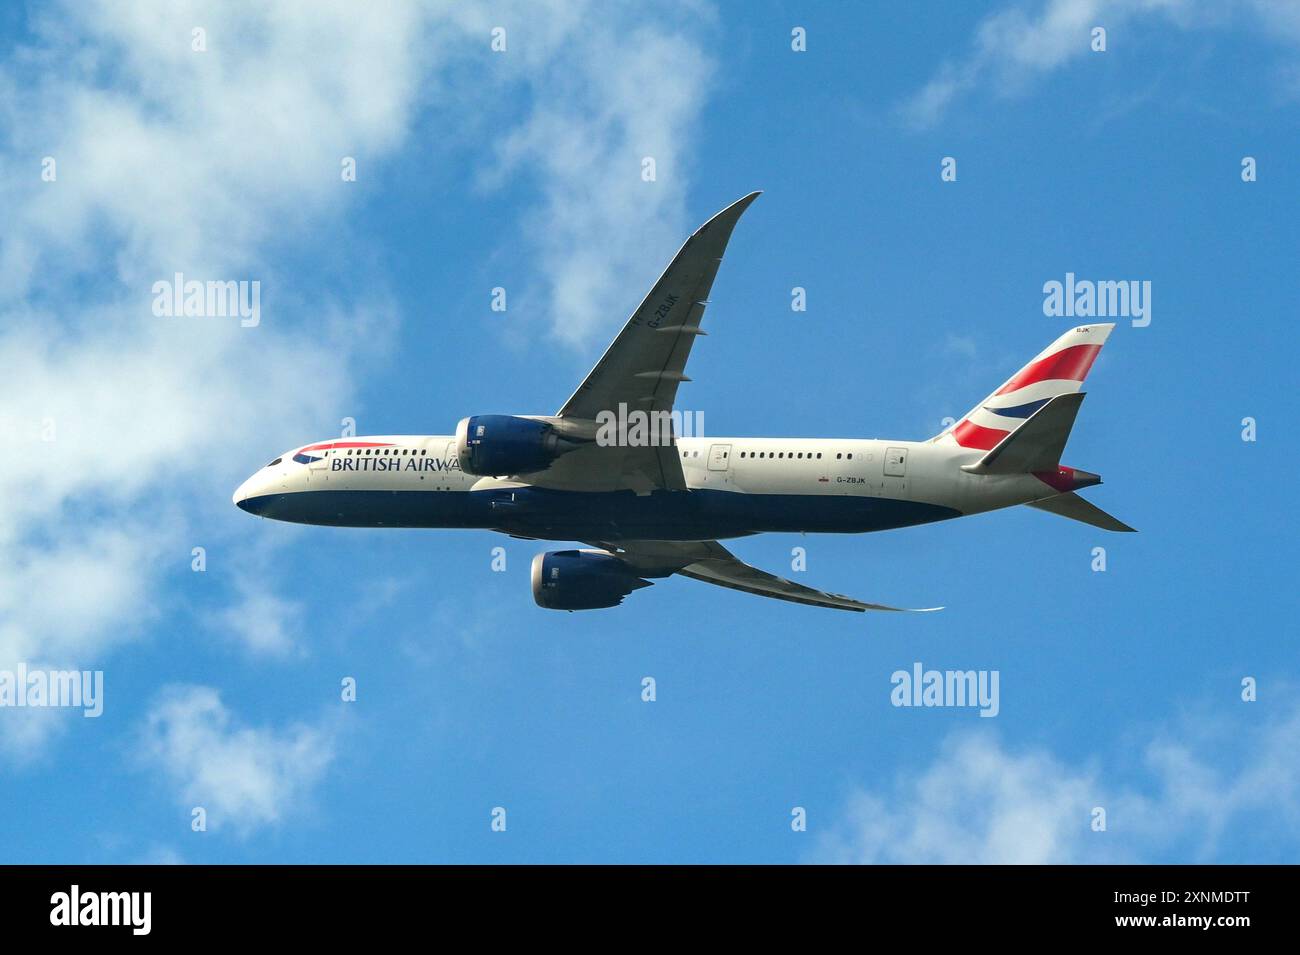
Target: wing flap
point(710, 562)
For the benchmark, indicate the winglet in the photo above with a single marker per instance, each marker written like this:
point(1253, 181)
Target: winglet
point(730, 215)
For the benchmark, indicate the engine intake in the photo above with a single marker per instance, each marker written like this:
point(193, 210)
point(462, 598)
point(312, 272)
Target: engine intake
point(493, 445)
point(582, 580)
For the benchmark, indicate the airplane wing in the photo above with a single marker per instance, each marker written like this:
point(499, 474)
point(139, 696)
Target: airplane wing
point(643, 366)
point(712, 563)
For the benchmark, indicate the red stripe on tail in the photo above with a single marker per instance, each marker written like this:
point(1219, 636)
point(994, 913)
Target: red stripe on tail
point(1068, 364)
point(973, 436)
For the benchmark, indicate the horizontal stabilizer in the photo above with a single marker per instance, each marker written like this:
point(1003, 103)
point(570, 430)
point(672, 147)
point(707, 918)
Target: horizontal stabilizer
point(1036, 445)
point(1077, 509)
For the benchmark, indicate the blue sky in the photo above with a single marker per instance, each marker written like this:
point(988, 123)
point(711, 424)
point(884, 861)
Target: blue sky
point(522, 169)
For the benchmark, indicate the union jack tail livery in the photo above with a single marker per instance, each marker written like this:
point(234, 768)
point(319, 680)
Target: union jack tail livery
point(1023, 426)
point(1059, 369)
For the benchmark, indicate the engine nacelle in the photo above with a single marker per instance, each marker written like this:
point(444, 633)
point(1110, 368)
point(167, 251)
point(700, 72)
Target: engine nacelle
point(493, 445)
point(582, 580)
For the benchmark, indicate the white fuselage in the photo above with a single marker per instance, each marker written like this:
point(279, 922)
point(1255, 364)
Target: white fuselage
point(735, 486)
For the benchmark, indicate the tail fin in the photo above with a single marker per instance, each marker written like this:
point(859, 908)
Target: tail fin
point(1059, 369)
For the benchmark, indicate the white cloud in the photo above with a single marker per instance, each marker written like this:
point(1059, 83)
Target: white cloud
point(981, 801)
point(194, 159)
point(168, 160)
point(64, 603)
point(245, 777)
point(615, 98)
point(161, 855)
point(262, 621)
point(978, 803)
point(209, 162)
point(1015, 46)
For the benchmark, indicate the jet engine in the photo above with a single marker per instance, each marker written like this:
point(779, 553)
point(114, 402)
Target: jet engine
point(582, 580)
point(493, 445)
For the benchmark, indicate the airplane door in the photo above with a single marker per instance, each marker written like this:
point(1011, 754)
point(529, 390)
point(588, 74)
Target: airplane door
point(718, 473)
point(318, 470)
point(895, 472)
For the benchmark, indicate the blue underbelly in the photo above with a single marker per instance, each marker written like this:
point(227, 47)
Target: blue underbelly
point(621, 515)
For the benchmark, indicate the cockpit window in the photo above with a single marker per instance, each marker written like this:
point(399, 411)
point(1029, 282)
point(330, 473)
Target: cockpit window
point(275, 462)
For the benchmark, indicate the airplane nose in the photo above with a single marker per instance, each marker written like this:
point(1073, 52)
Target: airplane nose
point(241, 496)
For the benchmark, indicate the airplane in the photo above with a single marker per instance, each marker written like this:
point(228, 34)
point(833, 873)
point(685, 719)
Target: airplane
point(648, 503)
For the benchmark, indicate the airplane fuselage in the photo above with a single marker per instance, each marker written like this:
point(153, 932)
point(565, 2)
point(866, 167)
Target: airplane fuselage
point(735, 487)
point(649, 509)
